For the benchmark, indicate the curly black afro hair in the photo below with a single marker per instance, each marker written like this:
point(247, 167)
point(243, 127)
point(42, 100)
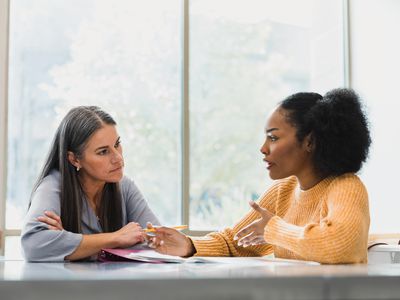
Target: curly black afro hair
point(337, 126)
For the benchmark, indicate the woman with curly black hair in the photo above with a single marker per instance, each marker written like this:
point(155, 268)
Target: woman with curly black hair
point(318, 208)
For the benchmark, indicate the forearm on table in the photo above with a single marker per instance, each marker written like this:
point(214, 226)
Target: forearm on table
point(222, 244)
point(91, 244)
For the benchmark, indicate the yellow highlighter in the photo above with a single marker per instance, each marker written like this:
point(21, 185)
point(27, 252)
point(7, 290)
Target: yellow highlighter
point(178, 227)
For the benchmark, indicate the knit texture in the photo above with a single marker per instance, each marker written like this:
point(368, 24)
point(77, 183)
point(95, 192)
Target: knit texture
point(327, 223)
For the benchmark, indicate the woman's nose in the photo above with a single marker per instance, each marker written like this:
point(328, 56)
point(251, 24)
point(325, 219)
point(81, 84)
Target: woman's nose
point(116, 157)
point(264, 148)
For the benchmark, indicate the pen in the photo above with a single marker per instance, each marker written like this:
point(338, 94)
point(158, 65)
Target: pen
point(178, 227)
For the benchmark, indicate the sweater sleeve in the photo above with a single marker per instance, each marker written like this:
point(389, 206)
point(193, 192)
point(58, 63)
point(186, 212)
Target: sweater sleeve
point(38, 242)
point(222, 243)
point(340, 236)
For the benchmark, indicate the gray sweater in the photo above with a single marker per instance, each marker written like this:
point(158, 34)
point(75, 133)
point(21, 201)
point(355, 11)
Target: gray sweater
point(41, 244)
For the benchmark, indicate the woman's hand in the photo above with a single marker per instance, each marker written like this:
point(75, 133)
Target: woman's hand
point(253, 234)
point(170, 241)
point(52, 220)
point(129, 235)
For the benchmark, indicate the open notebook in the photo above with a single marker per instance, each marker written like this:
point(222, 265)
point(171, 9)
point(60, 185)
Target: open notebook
point(151, 256)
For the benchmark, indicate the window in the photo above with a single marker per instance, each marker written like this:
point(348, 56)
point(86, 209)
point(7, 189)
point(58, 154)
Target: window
point(128, 57)
point(123, 56)
point(245, 56)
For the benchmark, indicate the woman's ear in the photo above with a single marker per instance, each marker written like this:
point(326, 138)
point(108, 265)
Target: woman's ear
point(309, 143)
point(73, 160)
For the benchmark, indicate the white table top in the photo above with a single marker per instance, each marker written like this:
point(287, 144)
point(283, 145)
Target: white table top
point(126, 280)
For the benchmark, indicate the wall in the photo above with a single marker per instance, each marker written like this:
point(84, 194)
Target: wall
point(375, 67)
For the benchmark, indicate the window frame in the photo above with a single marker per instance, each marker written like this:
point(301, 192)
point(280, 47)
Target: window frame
point(185, 117)
point(4, 38)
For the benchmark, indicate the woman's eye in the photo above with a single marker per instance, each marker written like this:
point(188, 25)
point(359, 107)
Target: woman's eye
point(117, 144)
point(272, 138)
point(102, 152)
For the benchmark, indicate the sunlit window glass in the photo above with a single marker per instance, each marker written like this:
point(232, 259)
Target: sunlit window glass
point(123, 56)
point(245, 56)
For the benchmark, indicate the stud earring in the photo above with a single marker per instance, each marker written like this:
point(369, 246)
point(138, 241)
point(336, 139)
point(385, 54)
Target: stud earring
point(78, 168)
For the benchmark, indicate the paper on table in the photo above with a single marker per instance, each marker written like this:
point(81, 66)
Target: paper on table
point(247, 260)
point(155, 257)
point(152, 255)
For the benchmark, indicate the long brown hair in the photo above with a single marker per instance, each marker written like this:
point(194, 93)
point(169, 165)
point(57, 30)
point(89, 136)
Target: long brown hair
point(72, 135)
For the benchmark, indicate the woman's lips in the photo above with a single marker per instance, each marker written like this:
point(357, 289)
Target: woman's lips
point(269, 164)
point(117, 169)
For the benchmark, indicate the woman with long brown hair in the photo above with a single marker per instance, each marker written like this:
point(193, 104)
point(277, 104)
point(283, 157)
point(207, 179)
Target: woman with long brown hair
point(82, 202)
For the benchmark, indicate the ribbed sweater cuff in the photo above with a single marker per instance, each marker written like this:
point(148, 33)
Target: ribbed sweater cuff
point(207, 247)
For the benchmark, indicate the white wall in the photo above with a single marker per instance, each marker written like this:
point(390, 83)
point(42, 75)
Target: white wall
point(375, 75)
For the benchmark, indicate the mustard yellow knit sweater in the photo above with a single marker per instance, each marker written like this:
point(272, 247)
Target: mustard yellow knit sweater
point(328, 223)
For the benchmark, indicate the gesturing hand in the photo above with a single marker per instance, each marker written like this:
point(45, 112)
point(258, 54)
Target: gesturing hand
point(253, 234)
point(170, 241)
point(52, 220)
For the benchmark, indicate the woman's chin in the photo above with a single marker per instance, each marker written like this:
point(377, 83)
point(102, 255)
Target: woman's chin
point(116, 177)
point(275, 176)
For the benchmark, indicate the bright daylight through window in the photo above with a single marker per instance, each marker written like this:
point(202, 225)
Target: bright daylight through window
point(245, 56)
point(126, 57)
